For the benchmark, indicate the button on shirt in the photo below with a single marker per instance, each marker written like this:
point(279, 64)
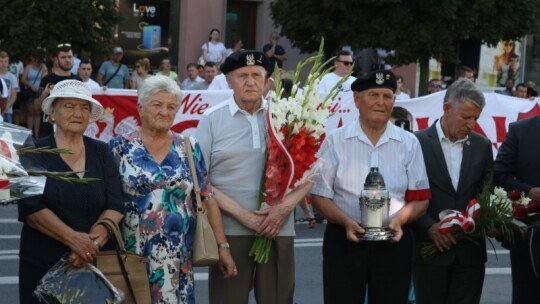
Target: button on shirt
point(347, 155)
point(233, 143)
point(453, 154)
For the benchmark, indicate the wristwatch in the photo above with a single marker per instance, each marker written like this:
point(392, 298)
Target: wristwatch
point(223, 245)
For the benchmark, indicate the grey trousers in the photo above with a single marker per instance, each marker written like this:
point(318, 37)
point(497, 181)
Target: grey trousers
point(272, 282)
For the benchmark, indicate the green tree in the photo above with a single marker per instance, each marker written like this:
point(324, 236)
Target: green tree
point(416, 29)
point(37, 26)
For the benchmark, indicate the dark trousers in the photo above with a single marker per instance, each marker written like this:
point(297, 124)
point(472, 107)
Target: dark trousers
point(525, 285)
point(455, 283)
point(384, 267)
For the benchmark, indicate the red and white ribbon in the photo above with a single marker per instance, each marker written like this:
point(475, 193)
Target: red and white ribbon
point(450, 219)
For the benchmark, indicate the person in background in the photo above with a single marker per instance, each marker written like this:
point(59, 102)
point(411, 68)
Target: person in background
point(141, 68)
point(351, 265)
point(464, 72)
point(275, 53)
point(165, 69)
point(213, 49)
point(34, 71)
point(85, 71)
point(200, 70)
point(435, 85)
point(62, 60)
point(400, 94)
point(236, 45)
point(508, 88)
point(159, 199)
point(193, 77)
point(12, 83)
point(521, 91)
point(61, 220)
point(113, 73)
point(342, 66)
point(210, 71)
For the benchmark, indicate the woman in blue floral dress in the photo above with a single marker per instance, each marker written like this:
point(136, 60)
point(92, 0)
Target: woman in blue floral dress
point(160, 212)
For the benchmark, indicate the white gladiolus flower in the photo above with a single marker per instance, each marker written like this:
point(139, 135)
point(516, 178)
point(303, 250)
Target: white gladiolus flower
point(500, 193)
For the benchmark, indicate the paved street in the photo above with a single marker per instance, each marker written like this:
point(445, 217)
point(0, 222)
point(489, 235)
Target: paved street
point(308, 247)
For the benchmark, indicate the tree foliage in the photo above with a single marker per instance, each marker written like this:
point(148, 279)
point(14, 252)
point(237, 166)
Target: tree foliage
point(416, 29)
point(35, 26)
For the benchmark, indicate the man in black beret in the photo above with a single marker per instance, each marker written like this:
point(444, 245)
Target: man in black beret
point(232, 136)
point(352, 264)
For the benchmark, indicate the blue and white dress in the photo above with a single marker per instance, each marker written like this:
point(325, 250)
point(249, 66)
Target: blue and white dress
point(160, 220)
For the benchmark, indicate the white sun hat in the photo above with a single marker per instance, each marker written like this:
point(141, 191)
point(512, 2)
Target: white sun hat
point(72, 88)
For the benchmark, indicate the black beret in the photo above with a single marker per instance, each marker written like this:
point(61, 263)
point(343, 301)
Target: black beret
point(242, 59)
point(375, 79)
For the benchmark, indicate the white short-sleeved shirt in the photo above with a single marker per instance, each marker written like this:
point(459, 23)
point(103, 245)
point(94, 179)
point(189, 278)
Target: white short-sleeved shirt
point(216, 52)
point(219, 83)
point(329, 81)
point(347, 156)
point(233, 144)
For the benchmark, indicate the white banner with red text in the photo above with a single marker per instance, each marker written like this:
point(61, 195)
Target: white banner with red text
point(121, 112)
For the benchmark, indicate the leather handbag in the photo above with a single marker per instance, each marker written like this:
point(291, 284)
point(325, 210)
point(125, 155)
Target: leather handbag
point(125, 270)
point(205, 251)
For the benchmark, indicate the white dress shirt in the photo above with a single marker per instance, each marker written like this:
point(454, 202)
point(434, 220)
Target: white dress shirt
point(453, 153)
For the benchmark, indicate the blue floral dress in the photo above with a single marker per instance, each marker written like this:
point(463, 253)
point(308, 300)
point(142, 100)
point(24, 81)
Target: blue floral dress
point(159, 220)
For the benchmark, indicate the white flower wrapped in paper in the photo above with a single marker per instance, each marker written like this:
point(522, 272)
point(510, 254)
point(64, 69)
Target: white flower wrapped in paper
point(9, 162)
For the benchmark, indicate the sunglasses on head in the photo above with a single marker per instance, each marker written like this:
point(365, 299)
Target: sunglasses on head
point(346, 62)
point(63, 45)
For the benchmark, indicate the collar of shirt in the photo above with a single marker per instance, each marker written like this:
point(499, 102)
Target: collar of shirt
point(354, 130)
point(233, 107)
point(442, 137)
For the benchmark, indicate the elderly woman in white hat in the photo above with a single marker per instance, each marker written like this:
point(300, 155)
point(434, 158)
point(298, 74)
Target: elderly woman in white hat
point(60, 221)
point(159, 198)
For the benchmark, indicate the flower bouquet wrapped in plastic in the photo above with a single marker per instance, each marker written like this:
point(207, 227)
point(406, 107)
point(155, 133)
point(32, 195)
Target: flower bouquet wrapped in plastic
point(490, 213)
point(20, 175)
point(296, 130)
point(65, 284)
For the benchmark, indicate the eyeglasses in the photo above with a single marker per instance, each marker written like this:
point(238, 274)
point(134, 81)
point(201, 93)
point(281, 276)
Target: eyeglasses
point(436, 86)
point(63, 45)
point(345, 62)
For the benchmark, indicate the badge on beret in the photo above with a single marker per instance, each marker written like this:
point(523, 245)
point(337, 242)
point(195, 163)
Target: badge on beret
point(250, 60)
point(379, 78)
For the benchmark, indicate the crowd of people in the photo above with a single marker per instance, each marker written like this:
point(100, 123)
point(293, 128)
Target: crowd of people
point(144, 182)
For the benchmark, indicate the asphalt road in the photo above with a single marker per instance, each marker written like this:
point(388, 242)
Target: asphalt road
point(308, 246)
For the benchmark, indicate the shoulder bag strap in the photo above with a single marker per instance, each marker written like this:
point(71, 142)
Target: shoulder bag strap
point(37, 75)
point(116, 237)
point(189, 152)
point(112, 76)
